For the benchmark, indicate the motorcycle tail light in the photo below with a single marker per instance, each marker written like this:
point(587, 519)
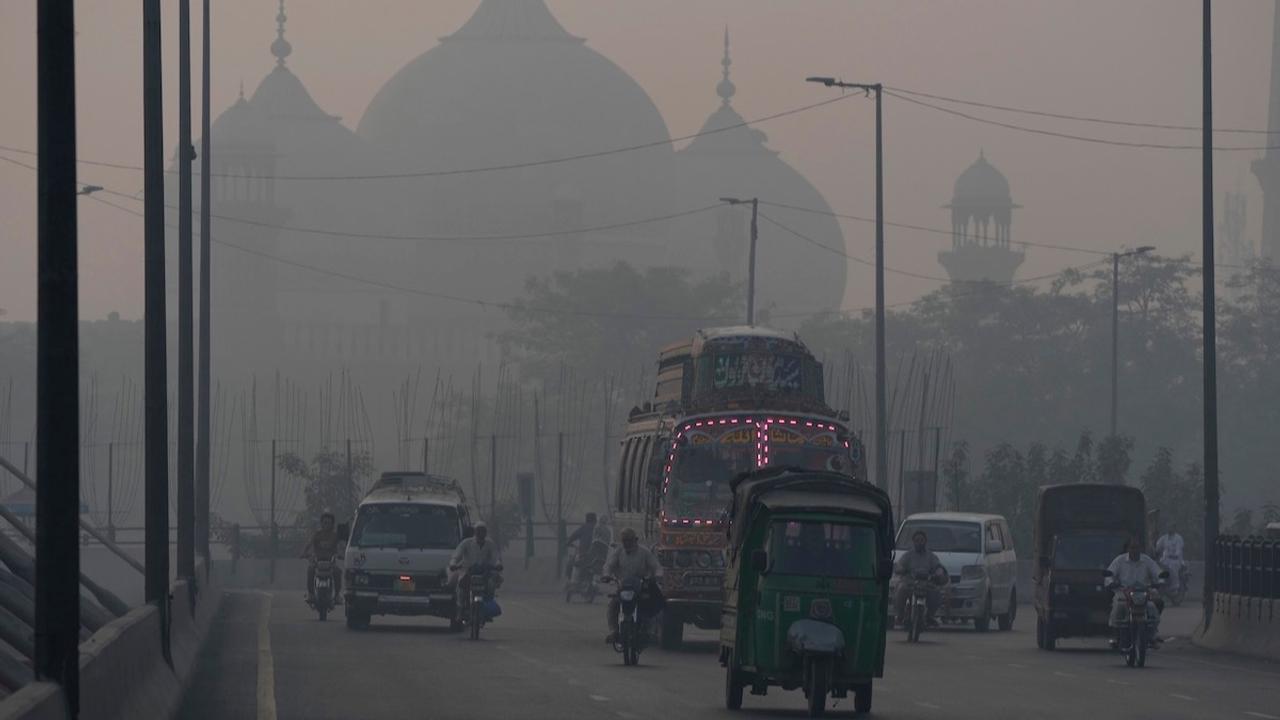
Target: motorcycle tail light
point(406, 578)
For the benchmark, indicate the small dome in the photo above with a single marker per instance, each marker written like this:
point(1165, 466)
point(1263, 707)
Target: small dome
point(982, 183)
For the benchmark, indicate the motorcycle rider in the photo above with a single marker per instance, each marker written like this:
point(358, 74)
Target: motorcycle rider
point(475, 550)
point(582, 538)
point(1131, 569)
point(1169, 553)
point(630, 560)
point(917, 559)
point(323, 545)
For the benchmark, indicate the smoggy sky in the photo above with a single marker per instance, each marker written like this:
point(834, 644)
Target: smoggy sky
point(1125, 59)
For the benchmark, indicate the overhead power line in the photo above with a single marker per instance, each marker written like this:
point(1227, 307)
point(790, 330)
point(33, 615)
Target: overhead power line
point(1077, 118)
point(491, 168)
point(841, 253)
point(1071, 136)
point(922, 228)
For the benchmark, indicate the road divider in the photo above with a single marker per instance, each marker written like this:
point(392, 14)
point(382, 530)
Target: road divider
point(1243, 624)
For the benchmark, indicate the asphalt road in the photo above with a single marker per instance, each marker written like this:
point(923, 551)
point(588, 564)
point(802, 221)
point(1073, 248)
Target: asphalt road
point(269, 657)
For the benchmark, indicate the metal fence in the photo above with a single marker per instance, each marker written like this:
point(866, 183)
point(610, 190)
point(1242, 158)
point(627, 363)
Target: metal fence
point(1247, 566)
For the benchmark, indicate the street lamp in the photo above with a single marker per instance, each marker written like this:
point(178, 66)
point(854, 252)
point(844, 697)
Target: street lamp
point(1115, 324)
point(88, 190)
point(882, 447)
point(751, 260)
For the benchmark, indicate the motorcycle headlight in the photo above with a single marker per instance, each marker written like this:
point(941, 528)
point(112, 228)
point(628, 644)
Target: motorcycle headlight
point(627, 595)
point(1139, 598)
point(973, 572)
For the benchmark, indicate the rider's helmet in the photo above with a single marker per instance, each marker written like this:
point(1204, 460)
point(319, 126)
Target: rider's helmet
point(591, 518)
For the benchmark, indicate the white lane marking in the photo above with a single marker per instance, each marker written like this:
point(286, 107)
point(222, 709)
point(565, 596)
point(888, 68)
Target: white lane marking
point(1059, 673)
point(1181, 697)
point(626, 715)
point(1016, 665)
point(1264, 716)
point(574, 681)
point(599, 698)
point(930, 706)
point(1119, 682)
point(266, 664)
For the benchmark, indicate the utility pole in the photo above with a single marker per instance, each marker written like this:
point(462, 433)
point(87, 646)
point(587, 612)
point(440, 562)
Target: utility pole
point(206, 223)
point(1210, 329)
point(1115, 327)
point(751, 256)
point(493, 478)
point(111, 491)
point(57, 600)
point(426, 447)
point(882, 444)
point(155, 359)
point(186, 337)
point(275, 535)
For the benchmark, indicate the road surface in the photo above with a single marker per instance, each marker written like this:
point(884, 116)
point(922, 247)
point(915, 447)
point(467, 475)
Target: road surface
point(268, 656)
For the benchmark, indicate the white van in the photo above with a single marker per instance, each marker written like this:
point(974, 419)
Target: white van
point(977, 551)
point(399, 545)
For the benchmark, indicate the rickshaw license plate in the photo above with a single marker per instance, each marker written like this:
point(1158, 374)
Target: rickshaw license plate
point(406, 585)
point(703, 581)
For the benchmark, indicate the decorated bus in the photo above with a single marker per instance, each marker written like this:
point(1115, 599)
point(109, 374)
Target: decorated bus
point(754, 399)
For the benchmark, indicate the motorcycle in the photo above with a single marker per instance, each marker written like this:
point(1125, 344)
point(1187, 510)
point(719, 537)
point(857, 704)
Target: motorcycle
point(917, 608)
point(638, 603)
point(476, 605)
point(1135, 634)
point(586, 567)
point(321, 598)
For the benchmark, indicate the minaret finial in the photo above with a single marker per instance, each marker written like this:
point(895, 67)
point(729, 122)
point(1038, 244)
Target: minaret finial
point(726, 87)
point(281, 47)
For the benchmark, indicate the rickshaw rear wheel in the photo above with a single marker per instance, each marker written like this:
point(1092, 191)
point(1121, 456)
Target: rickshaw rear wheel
point(816, 688)
point(862, 698)
point(733, 685)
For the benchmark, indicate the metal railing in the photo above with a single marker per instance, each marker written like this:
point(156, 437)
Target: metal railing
point(1247, 566)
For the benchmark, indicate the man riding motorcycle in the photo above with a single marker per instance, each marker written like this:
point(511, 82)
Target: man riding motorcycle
point(477, 550)
point(1169, 554)
point(322, 546)
point(1133, 569)
point(918, 559)
point(628, 561)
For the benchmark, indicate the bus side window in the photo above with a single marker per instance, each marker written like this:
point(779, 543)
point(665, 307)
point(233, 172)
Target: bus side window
point(642, 470)
point(624, 476)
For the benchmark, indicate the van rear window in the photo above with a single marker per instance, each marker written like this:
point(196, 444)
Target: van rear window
point(962, 537)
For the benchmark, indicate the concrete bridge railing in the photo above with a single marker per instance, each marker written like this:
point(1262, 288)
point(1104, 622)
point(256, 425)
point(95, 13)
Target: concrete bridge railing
point(123, 671)
point(1246, 604)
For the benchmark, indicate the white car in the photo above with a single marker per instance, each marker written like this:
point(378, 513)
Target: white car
point(977, 552)
point(397, 560)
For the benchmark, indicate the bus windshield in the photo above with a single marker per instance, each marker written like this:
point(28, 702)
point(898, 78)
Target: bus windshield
point(698, 485)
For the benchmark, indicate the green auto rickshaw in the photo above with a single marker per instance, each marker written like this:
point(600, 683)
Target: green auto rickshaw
point(807, 586)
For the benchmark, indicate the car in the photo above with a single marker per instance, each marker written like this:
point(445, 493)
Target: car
point(397, 561)
point(977, 552)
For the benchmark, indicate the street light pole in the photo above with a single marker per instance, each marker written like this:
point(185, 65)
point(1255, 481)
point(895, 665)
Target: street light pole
point(206, 223)
point(186, 356)
point(1115, 326)
point(57, 558)
point(751, 257)
point(882, 445)
point(1210, 331)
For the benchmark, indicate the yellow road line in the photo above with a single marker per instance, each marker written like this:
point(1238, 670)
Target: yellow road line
point(266, 664)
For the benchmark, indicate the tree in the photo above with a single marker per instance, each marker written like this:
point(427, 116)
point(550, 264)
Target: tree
point(604, 319)
point(331, 486)
point(1176, 498)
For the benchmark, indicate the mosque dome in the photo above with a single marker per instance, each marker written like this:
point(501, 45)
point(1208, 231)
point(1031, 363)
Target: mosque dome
point(982, 183)
point(510, 87)
point(730, 158)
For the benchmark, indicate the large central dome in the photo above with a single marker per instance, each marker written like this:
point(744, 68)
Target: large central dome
point(513, 86)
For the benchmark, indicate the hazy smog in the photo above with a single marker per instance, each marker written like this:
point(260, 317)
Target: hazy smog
point(453, 359)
